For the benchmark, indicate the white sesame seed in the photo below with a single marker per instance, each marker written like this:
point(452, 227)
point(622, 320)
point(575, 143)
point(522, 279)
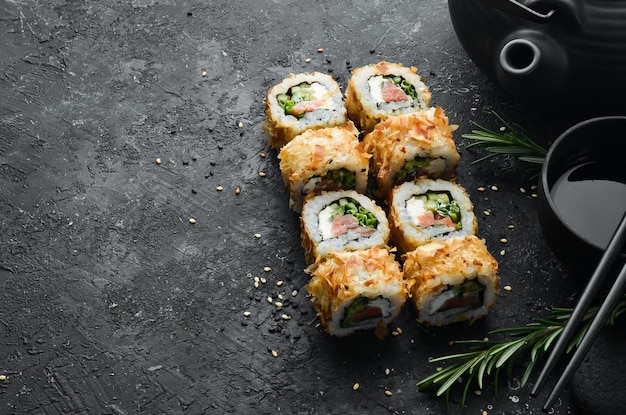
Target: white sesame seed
point(257, 235)
point(508, 288)
point(279, 283)
point(203, 73)
point(502, 128)
point(307, 60)
point(356, 386)
point(247, 313)
point(158, 161)
point(278, 304)
point(294, 293)
point(486, 213)
point(4, 377)
point(281, 297)
point(270, 300)
point(521, 189)
point(494, 188)
point(274, 353)
point(285, 317)
point(263, 280)
point(387, 371)
point(481, 189)
point(533, 187)
point(256, 279)
point(267, 269)
point(533, 195)
point(262, 174)
point(502, 252)
point(511, 226)
point(477, 392)
point(240, 125)
point(192, 220)
point(219, 188)
point(256, 284)
point(388, 393)
point(504, 240)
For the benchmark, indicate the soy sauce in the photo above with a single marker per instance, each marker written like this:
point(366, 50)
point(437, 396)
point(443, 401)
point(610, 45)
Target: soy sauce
point(591, 199)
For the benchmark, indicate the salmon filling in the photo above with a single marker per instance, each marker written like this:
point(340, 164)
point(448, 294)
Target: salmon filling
point(363, 310)
point(346, 216)
point(339, 179)
point(435, 209)
point(303, 98)
point(466, 296)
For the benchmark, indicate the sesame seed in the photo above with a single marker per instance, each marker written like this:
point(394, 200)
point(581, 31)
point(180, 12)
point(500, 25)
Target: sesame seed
point(502, 252)
point(477, 392)
point(192, 220)
point(394, 333)
point(307, 60)
point(219, 188)
point(481, 189)
point(279, 283)
point(267, 269)
point(504, 240)
point(486, 213)
point(355, 386)
point(256, 284)
point(281, 297)
point(240, 125)
point(320, 50)
point(247, 313)
point(203, 73)
point(158, 161)
point(388, 393)
point(387, 371)
point(511, 226)
point(274, 353)
point(502, 128)
point(263, 280)
point(486, 339)
point(494, 188)
point(285, 317)
point(439, 369)
point(521, 189)
point(257, 235)
point(262, 155)
point(294, 293)
point(399, 330)
point(4, 377)
point(508, 288)
point(533, 187)
point(270, 300)
point(237, 191)
point(256, 279)
point(451, 343)
point(533, 195)
point(262, 174)
point(484, 413)
point(278, 304)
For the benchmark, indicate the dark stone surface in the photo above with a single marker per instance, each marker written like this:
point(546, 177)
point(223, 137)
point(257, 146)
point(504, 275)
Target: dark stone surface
point(113, 303)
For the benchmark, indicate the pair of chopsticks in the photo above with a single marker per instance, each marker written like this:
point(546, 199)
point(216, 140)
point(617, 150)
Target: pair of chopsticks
point(614, 295)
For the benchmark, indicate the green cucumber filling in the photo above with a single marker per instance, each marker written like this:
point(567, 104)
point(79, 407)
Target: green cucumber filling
point(442, 205)
point(412, 169)
point(466, 296)
point(364, 309)
point(349, 206)
point(403, 84)
point(297, 93)
point(338, 179)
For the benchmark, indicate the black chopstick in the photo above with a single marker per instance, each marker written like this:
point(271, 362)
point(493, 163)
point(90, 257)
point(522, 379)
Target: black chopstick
point(611, 253)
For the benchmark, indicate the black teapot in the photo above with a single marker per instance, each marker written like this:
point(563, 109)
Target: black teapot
point(566, 54)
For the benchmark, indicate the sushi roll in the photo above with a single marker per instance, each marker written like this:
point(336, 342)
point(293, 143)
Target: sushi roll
point(377, 91)
point(357, 290)
point(453, 279)
point(425, 210)
point(343, 220)
point(327, 159)
point(300, 102)
point(409, 146)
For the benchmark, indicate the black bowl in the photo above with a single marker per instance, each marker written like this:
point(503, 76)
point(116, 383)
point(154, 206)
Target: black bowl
point(581, 192)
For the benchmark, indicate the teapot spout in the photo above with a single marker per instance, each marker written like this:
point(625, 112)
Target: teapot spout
point(531, 64)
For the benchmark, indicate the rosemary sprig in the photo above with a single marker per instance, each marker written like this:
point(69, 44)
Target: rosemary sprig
point(526, 345)
point(511, 141)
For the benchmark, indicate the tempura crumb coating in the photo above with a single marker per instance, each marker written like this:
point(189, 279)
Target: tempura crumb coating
point(316, 152)
point(434, 266)
point(401, 138)
point(343, 276)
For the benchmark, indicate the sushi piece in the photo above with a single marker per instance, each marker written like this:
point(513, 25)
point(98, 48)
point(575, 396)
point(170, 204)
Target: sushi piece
point(453, 279)
point(425, 210)
point(343, 220)
point(410, 146)
point(377, 91)
point(357, 290)
point(300, 102)
point(327, 159)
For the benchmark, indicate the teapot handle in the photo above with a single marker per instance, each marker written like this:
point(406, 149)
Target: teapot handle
point(566, 12)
